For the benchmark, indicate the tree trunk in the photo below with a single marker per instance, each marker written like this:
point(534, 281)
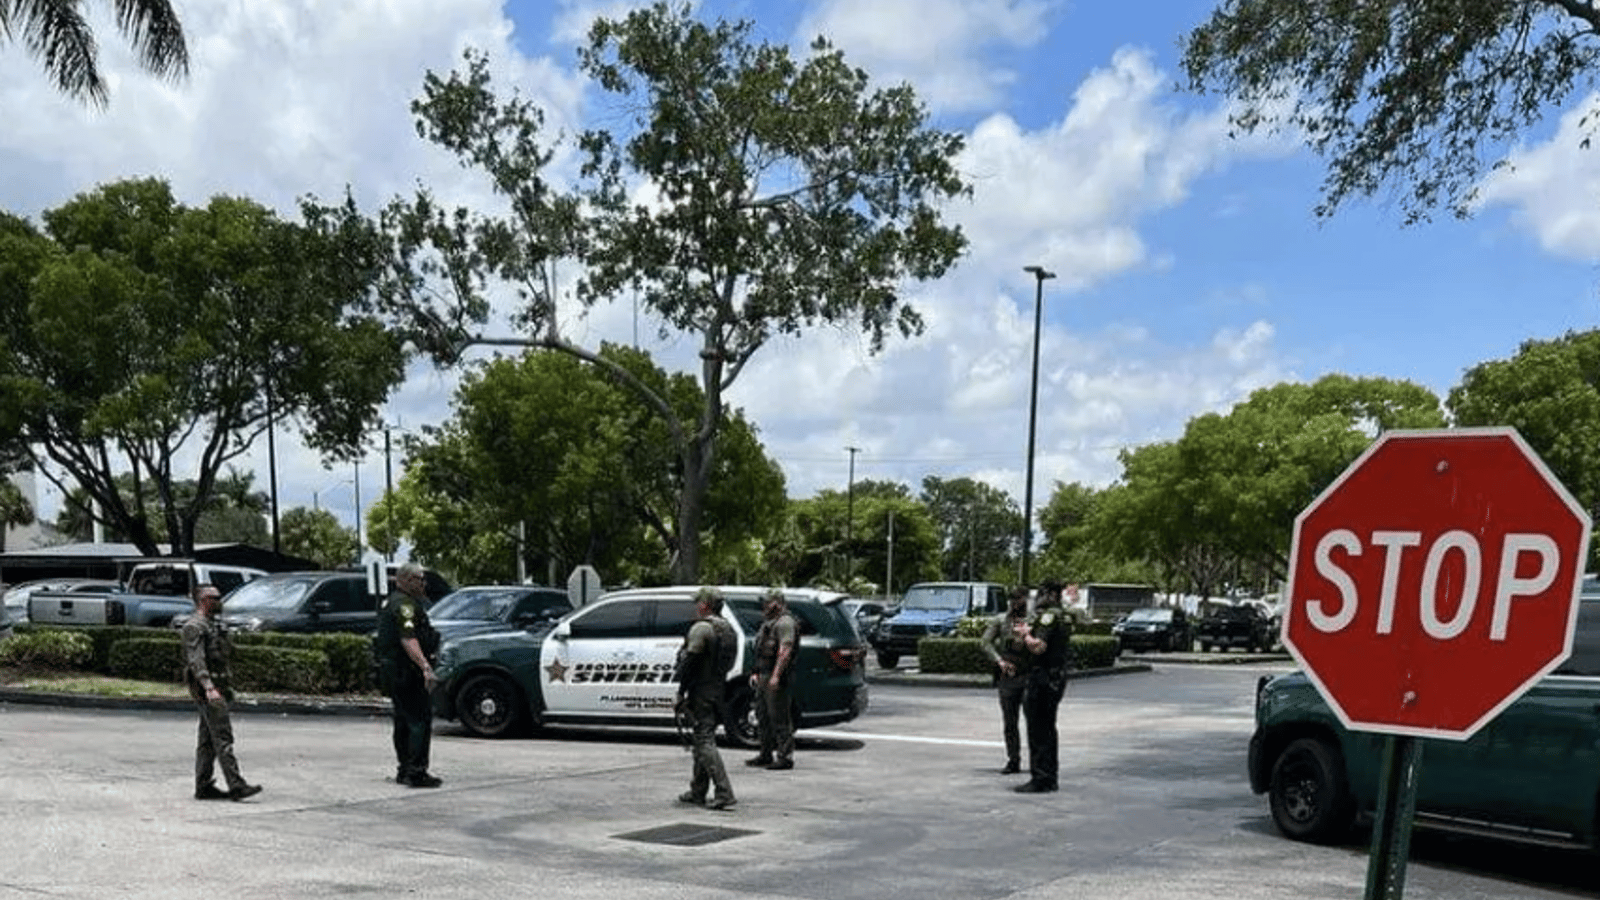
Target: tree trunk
point(691, 507)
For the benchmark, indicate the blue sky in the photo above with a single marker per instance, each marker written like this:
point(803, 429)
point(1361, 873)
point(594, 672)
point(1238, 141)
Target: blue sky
point(1192, 269)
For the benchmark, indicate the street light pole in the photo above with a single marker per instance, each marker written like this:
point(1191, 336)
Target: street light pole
point(850, 516)
point(1039, 275)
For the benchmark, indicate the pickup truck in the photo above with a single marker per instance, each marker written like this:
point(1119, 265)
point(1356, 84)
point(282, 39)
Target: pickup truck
point(156, 592)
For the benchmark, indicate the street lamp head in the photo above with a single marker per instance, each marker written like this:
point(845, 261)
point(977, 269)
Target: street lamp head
point(1039, 272)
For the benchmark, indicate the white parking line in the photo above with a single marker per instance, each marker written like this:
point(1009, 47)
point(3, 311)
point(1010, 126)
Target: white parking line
point(904, 738)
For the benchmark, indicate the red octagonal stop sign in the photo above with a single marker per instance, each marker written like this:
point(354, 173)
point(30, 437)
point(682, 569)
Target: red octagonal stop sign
point(1435, 581)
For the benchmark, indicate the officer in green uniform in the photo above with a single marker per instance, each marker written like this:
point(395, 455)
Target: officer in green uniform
point(776, 644)
point(206, 651)
point(703, 663)
point(1048, 637)
point(405, 646)
point(1011, 660)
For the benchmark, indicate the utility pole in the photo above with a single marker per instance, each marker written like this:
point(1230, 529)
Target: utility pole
point(888, 578)
point(388, 492)
point(850, 516)
point(1040, 274)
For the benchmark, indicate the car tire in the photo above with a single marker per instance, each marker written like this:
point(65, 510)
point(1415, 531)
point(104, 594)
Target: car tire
point(888, 660)
point(739, 721)
point(1308, 793)
point(490, 706)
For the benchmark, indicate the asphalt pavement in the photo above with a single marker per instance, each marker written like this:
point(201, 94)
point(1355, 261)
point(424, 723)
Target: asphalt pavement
point(904, 803)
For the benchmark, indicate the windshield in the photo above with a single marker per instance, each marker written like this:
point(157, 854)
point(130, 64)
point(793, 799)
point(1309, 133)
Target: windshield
point(485, 605)
point(267, 594)
point(1234, 612)
point(1150, 615)
point(942, 597)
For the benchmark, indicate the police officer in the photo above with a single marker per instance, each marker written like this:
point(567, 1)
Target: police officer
point(776, 643)
point(405, 645)
point(702, 667)
point(206, 651)
point(1047, 637)
point(1005, 648)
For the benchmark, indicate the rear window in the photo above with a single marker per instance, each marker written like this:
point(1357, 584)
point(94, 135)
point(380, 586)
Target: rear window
point(1585, 658)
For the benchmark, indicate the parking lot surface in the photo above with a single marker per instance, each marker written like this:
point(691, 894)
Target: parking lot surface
point(905, 802)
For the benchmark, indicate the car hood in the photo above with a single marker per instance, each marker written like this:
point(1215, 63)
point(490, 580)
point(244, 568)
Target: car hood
point(924, 616)
point(450, 629)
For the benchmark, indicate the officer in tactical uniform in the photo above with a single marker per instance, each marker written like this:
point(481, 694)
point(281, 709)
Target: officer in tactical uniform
point(1048, 637)
point(206, 651)
point(1011, 659)
point(776, 644)
point(703, 662)
point(405, 646)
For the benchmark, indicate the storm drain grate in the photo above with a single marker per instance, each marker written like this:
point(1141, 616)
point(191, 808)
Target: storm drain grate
point(685, 834)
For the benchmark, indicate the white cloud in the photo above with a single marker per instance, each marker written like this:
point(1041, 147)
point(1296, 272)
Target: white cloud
point(938, 45)
point(296, 97)
point(1553, 188)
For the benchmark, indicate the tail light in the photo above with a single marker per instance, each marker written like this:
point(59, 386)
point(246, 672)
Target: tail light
point(844, 660)
point(116, 613)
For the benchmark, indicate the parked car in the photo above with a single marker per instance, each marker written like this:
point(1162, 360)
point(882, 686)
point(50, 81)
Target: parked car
point(303, 602)
point(932, 609)
point(1532, 774)
point(867, 614)
point(612, 663)
point(495, 607)
point(1243, 625)
point(1160, 628)
point(17, 596)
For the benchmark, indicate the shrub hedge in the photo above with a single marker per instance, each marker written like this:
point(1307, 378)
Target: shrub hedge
point(959, 655)
point(48, 650)
point(262, 661)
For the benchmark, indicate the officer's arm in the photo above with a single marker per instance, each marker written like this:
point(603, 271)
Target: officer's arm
point(194, 654)
point(785, 650)
point(414, 650)
point(991, 633)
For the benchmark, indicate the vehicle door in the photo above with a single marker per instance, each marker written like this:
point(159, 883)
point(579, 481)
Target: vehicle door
point(586, 657)
point(1536, 764)
point(340, 604)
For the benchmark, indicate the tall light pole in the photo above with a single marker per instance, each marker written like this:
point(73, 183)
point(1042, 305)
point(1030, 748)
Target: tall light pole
point(1039, 275)
point(850, 515)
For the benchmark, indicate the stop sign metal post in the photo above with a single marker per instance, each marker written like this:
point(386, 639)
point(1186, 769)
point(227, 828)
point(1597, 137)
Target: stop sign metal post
point(1430, 586)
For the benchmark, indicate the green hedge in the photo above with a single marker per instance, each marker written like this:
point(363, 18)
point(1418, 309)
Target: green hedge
point(255, 668)
point(315, 663)
point(48, 650)
point(958, 655)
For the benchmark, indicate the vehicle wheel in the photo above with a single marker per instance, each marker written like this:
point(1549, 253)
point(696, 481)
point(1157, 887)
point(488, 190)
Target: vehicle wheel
point(490, 706)
point(888, 660)
point(1308, 794)
point(739, 721)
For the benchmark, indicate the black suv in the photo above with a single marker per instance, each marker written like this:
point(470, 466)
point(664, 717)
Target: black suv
point(303, 602)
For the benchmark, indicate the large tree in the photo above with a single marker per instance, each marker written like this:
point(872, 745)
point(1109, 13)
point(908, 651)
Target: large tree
point(56, 32)
point(140, 336)
point(316, 534)
point(551, 451)
point(891, 542)
point(1217, 506)
point(1420, 96)
point(737, 194)
point(980, 526)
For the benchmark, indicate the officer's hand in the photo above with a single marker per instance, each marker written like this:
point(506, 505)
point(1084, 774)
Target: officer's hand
point(429, 680)
point(1007, 667)
point(213, 695)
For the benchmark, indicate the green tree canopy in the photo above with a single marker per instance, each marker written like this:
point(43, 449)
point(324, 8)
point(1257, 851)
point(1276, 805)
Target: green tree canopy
point(980, 527)
point(556, 451)
point(785, 193)
point(56, 32)
point(1217, 506)
point(316, 534)
point(235, 514)
point(137, 333)
point(1419, 95)
point(811, 548)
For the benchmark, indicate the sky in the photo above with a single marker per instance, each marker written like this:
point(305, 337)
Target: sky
point(1190, 267)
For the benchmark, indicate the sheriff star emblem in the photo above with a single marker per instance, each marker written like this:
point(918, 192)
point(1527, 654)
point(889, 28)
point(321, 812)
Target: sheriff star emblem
point(556, 671)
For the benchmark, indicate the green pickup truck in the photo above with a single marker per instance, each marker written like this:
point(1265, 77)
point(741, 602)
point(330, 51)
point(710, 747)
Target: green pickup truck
point(1531, 775)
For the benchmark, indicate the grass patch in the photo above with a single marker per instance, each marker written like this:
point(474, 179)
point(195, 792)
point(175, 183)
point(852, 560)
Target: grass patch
point(84, 683)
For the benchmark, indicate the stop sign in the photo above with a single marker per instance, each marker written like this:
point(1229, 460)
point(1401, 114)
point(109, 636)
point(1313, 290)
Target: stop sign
point(1435, 581)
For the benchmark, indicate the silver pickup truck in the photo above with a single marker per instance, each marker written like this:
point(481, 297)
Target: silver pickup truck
point(156, 592)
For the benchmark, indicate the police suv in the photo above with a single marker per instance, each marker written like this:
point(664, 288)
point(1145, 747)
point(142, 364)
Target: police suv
point(612, 662)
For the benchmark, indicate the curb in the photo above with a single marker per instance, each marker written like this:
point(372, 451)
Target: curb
point(919, 679)
point(277, 707)
point(1209, 659)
